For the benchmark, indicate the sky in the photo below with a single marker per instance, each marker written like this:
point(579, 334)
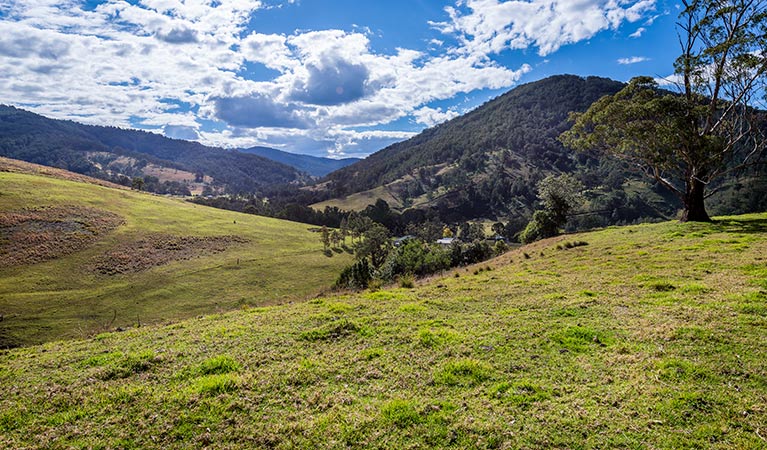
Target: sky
point(332, 78)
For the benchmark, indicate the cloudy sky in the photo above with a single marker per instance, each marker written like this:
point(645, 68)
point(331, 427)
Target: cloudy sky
point(323, 77)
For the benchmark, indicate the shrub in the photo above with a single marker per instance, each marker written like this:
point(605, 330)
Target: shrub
point(407, 281)
point(355, 276)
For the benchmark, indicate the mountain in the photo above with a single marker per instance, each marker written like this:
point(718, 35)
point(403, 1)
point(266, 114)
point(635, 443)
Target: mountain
point(486, 163)
point(313, 165)
point(487, 159)
point(118, 154)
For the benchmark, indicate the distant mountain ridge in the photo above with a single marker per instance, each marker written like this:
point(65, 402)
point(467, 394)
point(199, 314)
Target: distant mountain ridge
point(313, 165)
point(115, 154)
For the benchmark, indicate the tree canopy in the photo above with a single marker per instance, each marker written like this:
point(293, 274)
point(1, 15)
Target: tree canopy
point(711, 126)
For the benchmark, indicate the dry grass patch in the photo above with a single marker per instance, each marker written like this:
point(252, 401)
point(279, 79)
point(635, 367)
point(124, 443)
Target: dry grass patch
point(159, 249)
point(31, 236)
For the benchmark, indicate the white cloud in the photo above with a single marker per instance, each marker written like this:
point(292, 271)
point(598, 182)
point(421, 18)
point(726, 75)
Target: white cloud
point(491, 26)
point(173, 65)
point(638, 33)
point(632, 60)
point(431, 116)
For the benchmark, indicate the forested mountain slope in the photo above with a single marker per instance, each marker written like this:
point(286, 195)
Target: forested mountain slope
point(116, 154)
point(486, 164)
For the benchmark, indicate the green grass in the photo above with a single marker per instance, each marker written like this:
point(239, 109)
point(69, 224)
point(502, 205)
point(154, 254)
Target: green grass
point(66, 298)
point(594, 357)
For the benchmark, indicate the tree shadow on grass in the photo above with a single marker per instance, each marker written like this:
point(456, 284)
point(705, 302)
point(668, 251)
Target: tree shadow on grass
point(748, 225)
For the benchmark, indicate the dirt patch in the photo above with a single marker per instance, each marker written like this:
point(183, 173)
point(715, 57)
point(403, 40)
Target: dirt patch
point(34, 235)
point(158, 249)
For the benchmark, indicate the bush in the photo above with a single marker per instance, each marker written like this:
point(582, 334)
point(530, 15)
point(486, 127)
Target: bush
point(355, 276)
point(541, 226)
point(414, 258)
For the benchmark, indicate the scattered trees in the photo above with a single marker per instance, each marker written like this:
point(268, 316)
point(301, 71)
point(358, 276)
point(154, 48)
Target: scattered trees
point(710, 127)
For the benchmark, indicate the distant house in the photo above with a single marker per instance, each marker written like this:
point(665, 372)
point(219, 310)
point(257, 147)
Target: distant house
point(446, 242)
point(497, 238)
point(401, 240)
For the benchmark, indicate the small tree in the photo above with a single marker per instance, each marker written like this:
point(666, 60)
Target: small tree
point(375, 245)
point(325, 237)
point(558, 196)
point(137, 183)
point(710, 127)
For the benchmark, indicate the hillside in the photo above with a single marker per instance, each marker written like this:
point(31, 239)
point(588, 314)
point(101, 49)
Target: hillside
point(486, 163)
point(118, 155)
point(487, 159)
point(313, 165)
point(648, 336)
point(78, 258)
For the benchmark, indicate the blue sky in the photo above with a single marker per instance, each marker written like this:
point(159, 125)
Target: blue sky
point(323, 77)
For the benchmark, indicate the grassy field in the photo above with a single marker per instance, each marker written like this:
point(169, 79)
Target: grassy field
point(219, 260)
point(648, 336)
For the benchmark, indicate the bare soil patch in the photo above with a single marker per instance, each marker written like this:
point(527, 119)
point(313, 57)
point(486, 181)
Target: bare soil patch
point(34, 235)
point(159, 249)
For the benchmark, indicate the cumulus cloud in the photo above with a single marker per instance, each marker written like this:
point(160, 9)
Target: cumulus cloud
point(632, 60)
point(333, 82)
point(431, 116)
point(491, 26)
point(178, 36)
point(177, 66)
point(181, 132)
point(638, 33)
point(257, 110)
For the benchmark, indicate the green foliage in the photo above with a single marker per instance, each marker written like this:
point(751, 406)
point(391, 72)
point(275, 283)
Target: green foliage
point(541, 226)
point(354, 276)
point(333, 330)
point(219, 365)
point(455, 363)
point(463, 372)
point(689, 139)
point(416, 258)
point(375, 245)
point(216, 384)
point(402, 413)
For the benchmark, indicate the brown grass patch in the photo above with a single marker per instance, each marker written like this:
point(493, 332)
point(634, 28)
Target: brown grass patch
point(159, 249)
point(31, 236)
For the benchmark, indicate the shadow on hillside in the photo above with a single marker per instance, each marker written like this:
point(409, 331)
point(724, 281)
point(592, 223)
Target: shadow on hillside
point(745, 225)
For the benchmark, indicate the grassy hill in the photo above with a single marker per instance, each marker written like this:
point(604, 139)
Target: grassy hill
point(78, 258)
point(647, 336)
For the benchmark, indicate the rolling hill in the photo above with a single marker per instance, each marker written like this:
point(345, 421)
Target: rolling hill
point(118, 155)
point(78, 258)
point(648, 336)
point(313, 165)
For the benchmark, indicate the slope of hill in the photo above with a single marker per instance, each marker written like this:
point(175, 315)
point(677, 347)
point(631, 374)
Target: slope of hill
point(313, 165)
point(114, 154)
point(650, 336)
point(495, 153)
point(78, 258)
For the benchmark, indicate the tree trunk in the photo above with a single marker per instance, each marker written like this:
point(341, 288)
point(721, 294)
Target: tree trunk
point(694, 207)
